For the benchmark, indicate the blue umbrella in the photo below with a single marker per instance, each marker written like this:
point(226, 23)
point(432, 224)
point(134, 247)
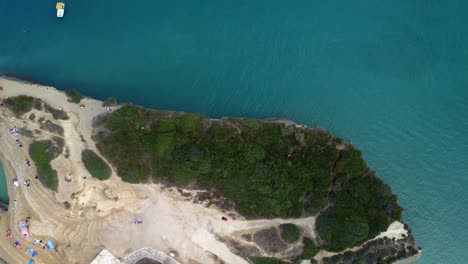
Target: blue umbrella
point(31, 261)
point(34, 253)
point(49, 243)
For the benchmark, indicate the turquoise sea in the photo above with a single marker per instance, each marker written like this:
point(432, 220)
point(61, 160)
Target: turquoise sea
point(3, 187)
point(392, 76)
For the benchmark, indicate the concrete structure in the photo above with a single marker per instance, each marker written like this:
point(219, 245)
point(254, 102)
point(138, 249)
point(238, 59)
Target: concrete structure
point(105, 257)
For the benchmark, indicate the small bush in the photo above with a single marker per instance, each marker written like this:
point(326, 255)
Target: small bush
point(95, 165)
point(57, 114)
point(74, 96)
point(66, 205)
point(290, 233)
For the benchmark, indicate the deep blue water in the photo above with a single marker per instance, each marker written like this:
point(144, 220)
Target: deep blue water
point(392, 76)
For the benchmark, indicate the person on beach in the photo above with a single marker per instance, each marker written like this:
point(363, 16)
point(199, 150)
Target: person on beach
point(224, 219)
point(15, 182)
point(17, 244)
point(9, 235)
point(14, 203)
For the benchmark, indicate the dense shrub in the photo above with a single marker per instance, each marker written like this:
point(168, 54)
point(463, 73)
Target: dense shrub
point(95, 165)
point(21, 104)
point(364, 208)
point(310, 249)
point(290, 233)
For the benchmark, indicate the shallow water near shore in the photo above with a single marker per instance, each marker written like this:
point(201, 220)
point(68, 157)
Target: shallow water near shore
point(3, 186)
point(390, 75)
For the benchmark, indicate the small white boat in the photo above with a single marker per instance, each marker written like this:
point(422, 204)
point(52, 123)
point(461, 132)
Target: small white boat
point(60, 9)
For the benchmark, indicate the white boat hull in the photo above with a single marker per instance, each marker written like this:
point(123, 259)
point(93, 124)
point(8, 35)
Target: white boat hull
point(60, 12)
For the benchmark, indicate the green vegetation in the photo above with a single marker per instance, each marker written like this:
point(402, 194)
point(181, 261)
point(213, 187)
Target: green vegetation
point(262, 260)
point(21, 104)
point(310, 249)
point(247, 161)
point(57, 114)
point(362, 208)
point(74, 96)
point(290, 233)
point(40, 154)
point(95, 165)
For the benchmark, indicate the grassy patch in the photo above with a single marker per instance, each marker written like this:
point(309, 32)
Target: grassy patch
point(20, 105)
point(95, 165)
point(74, 96)
point(39, 152)
point(290, 233)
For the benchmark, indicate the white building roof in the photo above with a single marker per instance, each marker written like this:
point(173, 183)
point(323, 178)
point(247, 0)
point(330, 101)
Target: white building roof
point(105, 257)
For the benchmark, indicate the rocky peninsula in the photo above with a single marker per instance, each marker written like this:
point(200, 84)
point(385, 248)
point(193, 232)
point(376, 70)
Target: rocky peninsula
point(101, 175)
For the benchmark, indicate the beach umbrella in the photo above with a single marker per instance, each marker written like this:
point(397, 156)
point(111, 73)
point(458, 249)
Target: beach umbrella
point(34, 253)
point(31, 261)
point(30, 250)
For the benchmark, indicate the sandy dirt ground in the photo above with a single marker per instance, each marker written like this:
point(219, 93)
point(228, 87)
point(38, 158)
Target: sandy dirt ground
point(102, 212)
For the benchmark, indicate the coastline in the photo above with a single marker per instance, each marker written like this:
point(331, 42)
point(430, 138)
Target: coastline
point(141, 197)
